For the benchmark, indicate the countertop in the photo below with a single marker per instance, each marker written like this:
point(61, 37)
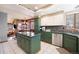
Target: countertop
point(58, 32)
point(69, 33)
point(73, 34)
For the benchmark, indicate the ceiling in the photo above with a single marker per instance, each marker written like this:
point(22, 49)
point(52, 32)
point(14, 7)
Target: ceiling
point(35, 7)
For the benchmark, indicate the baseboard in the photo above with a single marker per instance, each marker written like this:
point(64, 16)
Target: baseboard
point(4, 41)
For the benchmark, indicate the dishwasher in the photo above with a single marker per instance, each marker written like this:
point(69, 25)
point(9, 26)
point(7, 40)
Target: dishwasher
point(57, 39)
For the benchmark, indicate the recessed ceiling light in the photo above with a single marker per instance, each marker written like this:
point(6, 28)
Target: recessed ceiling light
point(36, 7)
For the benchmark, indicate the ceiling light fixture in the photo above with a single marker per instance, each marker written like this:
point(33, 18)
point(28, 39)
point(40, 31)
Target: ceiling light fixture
point(36, 7)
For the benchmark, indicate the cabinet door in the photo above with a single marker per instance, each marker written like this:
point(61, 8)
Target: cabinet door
point(37, 25)
point(46, 37)
point(70, 43)
point(78, 45)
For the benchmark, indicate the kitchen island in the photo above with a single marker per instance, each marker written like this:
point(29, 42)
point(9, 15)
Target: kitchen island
point(30, 44)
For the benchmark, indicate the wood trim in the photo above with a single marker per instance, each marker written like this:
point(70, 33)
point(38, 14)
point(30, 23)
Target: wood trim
point(4, 41)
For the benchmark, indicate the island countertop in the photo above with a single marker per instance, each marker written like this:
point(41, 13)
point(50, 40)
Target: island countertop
point(30, 44)
point(29, 34)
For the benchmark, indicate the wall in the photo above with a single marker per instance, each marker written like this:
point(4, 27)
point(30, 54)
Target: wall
point(3, 27)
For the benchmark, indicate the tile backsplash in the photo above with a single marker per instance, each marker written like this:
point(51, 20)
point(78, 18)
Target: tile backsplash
point(54, 28)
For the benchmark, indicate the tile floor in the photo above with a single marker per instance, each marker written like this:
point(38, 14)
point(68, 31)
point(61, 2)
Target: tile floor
point(51, 49)
point(11, 47)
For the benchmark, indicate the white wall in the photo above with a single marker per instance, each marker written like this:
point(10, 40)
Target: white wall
point(54, 20)
point(3, 27)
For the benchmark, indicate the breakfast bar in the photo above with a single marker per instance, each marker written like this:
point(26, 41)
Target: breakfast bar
point(30, 44)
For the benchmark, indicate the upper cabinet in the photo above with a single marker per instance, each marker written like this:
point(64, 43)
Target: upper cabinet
point(53, 20)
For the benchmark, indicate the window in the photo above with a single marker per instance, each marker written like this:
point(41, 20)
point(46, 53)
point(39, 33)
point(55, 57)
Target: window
point(77, 21)
point(70, 21)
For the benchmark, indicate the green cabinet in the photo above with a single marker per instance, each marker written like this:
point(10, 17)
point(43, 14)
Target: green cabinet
point(70, 43)
point(29, 44)
point(37, 25)
point(46, 37)
point(26, 45)
point(78, 45)
point(18, 40)
point(35, 44)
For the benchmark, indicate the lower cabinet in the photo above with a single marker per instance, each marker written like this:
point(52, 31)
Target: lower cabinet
point(52, 38)
point(46, 37)
point(70, 43)
point(78, 45)
point(29, 44)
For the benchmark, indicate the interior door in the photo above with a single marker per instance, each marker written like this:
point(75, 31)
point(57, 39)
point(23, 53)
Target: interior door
point(3, 27)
